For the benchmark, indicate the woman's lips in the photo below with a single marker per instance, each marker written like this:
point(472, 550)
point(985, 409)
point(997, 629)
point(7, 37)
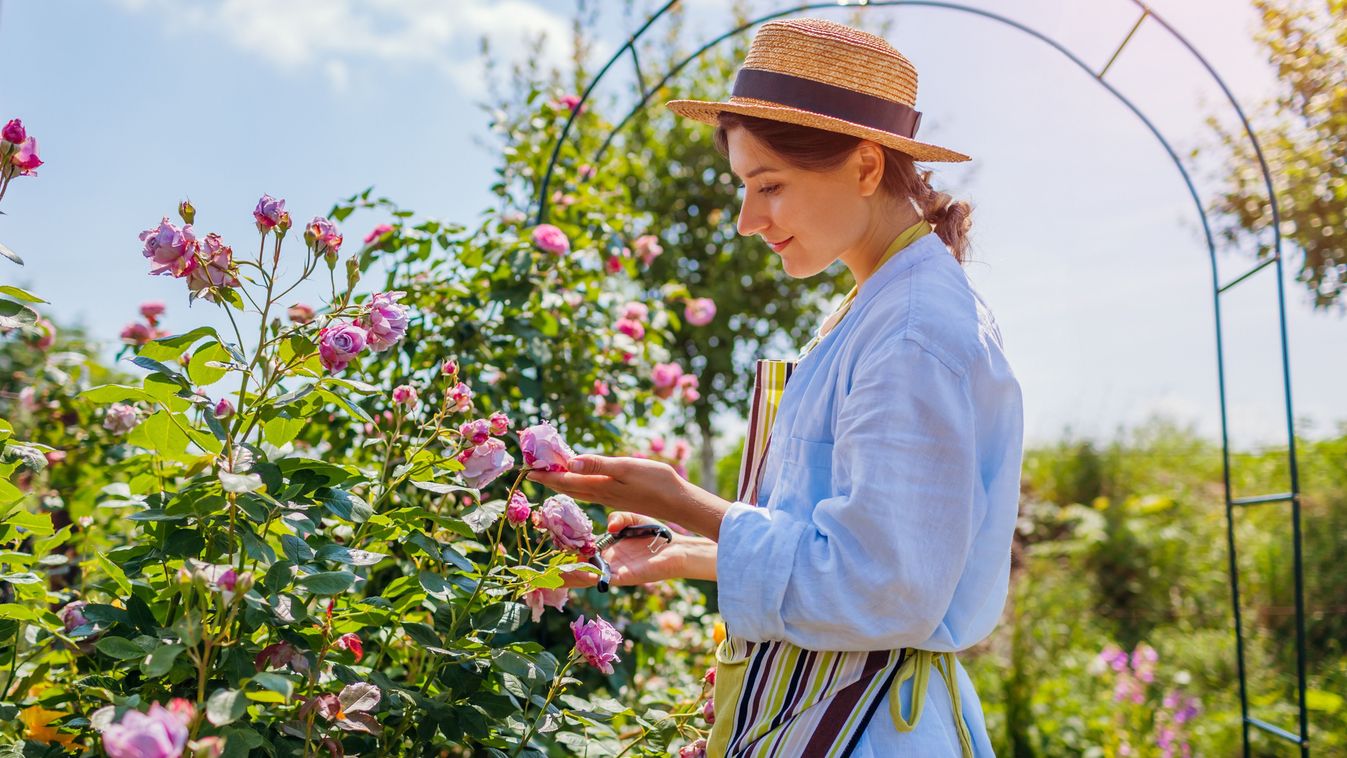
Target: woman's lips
point(779, 246)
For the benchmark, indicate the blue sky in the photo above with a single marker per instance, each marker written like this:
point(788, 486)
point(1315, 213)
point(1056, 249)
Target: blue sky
point(1086, 243)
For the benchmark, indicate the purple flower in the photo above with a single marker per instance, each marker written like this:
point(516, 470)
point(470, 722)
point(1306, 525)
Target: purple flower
point(1144, 658)
point(566, 521)
point(26, 157)
point(694, 749)
point(323, 237)
point(544, 449)
point(476, 432)
point(171, 250)
point(550, 239)
point(518, 510)
point(500, 423)
point(161, 733)
point(269, 213)
point(120, 418)
point(72, 615)
point(597, 641)
point(14, 132)
point(217, 268)
point(385, 320)
point(483, 463)
point(1113, 656)
point(224, 409)
point(536, 599)
point(339, 343)
point(700, 311)
point(405, 395)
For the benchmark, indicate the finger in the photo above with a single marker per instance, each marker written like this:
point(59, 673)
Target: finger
point(597, 465)
point(574, 579)
point(618, 520)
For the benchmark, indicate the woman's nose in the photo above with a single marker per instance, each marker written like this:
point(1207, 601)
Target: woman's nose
point(752, 219)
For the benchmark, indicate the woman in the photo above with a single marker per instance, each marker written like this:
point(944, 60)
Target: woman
point(878, 541)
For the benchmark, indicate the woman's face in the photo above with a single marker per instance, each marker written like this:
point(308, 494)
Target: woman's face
point(809, 218)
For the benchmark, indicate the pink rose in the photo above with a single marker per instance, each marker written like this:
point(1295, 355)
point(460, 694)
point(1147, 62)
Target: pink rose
point(72, 615)
point(476, 432)
point(550, 239)
point(636, 311)
point(161, 733)
point(26, 158)
point(600, 388)
point(585, 171)
point(300, 313)
point(500, 423)
point(460, 398)
point(544, 449)
point(405, 395)
point(483, 463)
point(687, 384)
point(700, 311)
point(665, 377)
point(614, 264)
point(694, 749)
point(339, 343)
point(518, 511)
point(171, 250)
point(566, 521)
point(656, 445)
point(385, 320)
point(597, 641)
point(218, 269)
point(630, 328)
point(46, 334)
point(14, 132)
point(536, 599)
point(710, 676)
point(569, 102)
point(449, 368)
point(269, 213)
point(378, 232)
point(648, 248)
point(224, 409)
point(120, 418)
point(152, 310)
point(322, 236)
point(709, 710)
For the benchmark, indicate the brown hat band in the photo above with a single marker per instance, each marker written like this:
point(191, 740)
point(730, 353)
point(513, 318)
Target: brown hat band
point(827, 100)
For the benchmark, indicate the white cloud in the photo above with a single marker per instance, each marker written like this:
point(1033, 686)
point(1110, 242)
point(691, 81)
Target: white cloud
point(337, 36)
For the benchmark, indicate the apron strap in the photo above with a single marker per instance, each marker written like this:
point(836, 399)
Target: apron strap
point(917, 667)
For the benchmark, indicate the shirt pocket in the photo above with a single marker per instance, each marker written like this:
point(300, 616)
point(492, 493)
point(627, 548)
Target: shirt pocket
point(808, 454)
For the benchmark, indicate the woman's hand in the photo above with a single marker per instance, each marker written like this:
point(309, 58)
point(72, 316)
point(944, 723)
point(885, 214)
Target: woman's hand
point(638, 485)
point(631, 560)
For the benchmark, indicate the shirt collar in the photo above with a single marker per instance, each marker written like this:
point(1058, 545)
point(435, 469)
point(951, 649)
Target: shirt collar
point(923, 246)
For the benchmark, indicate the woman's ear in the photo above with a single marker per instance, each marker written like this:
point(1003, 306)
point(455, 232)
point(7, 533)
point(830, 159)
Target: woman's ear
point(869, 166)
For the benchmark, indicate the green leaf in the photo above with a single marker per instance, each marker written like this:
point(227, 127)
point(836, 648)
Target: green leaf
point(240, 483)
point(424, 636)
point(172, 348)
point(275, 683)
point(20, 294)
point(281, 430)
point(120, 648)
point(501, 618)
point(296, 549)
point(15, 316)
point(440, 488)
point(348, 556)
point(348, 506)
point(199, 369)
point(161, 433)
point(225, 707)
point(483, 516)
point(115, 393)
point(161, 660)
point(114, 572)
point(328, 582)
point(10, 254)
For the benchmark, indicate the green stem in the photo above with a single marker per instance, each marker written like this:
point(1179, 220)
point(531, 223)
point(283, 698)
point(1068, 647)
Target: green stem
point(551, 693)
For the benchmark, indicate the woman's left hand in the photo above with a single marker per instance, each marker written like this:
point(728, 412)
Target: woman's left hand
point(638, 485)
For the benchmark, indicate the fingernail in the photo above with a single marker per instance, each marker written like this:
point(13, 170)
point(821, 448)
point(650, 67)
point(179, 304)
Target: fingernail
point(577, 465)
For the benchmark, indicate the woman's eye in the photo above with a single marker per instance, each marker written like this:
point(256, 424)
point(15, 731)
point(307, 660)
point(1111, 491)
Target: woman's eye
point(769, 189)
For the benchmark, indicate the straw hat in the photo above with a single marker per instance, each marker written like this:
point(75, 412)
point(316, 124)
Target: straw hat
point(819, 73)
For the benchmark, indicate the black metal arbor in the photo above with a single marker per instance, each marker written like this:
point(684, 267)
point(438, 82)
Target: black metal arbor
point(1300, 737)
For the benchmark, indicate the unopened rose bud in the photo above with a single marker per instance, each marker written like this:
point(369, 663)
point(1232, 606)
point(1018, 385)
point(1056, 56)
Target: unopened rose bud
point(450, 368)
point(245, 582)
point(224, 409)
point(300, 313)
point(283, 224)
point(187, 212)
point(352, 271)
point(405, 395)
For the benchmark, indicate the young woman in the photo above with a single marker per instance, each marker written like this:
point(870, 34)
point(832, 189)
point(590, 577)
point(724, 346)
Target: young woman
point(877, 542)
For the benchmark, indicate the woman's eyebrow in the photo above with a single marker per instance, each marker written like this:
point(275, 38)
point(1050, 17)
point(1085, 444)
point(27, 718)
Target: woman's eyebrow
point(756, 171)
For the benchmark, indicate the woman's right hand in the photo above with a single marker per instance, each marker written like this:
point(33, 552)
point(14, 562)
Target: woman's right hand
point(631, 560)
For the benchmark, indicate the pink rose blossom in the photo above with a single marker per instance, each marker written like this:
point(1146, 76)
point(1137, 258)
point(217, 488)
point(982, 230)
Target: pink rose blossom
point(72, 615)
point(46, 334)
point(709, 710)
point(656, 445)
point(483, 463)
point(14, 132)
point(152, 310)
point(648, 248)
point(544, 449)
point(385, 320)
point(224, 409)
point(460, 398)
point(26, 158)
point(694, 749)
point(636, 311)
point(585, 171)
point(630, 328)
point(687, 384)
point(536, 599)
point(136, 333)
point(614, 264)
point(710, 676)
point(600, 388)
point(120, 418)
point(161, 733)
point(566, 521)
point(322, 235)
point(700, 311)
point(519, 509)
point(500, 423)
point(171, 250)
point(665, 377)
point(378, 232)
point(449, 368)
point(569, 102)
point(476, 432)
point(300, 313)
point(550, 239)
point(339, 343)
point(218, 269)
point(597, 641)
point(269, 213)
point(405, 395)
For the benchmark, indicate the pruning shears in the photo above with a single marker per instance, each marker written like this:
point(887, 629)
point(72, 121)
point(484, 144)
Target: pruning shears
point(627, 532)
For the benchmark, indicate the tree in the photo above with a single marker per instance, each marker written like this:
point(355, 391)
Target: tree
point(1303, 134)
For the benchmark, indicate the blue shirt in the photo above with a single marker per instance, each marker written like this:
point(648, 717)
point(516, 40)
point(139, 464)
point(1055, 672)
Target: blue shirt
point(891, 489)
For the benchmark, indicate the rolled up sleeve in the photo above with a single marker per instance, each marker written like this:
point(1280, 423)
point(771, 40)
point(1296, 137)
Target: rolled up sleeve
point(876, 563)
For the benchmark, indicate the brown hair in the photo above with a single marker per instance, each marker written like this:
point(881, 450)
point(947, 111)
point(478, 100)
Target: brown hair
point(813, 149)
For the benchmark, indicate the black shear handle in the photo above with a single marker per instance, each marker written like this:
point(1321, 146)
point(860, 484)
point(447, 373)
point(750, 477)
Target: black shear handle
point(626, 532)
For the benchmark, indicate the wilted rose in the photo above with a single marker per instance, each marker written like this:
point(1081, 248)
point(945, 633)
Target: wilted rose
point(269, 213)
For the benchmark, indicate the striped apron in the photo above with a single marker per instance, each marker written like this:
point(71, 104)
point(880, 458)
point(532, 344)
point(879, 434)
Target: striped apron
point(776, 699)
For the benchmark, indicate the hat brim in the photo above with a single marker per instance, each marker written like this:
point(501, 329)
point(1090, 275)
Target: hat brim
point(708, 113)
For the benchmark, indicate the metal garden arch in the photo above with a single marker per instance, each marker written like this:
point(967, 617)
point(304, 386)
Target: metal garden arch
point(1300, 738)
